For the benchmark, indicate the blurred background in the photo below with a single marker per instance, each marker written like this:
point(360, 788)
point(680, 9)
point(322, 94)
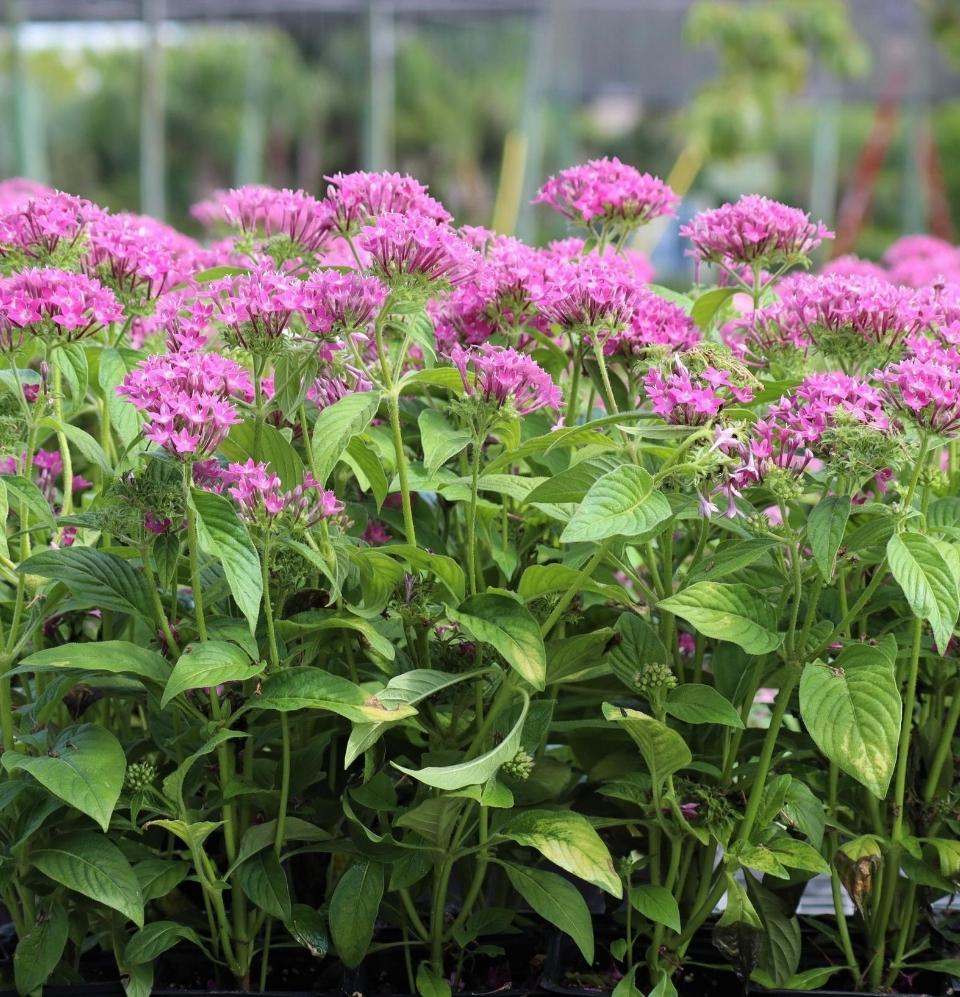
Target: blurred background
point(848, 108)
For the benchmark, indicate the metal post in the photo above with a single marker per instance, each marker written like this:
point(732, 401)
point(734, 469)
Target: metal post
point(29, 159)
point(825, 161)
point(152, 112)
point(379, 151)
point(253, 129)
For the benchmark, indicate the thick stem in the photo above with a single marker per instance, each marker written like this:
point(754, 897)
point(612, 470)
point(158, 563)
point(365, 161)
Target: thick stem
point(473, 578)
point(193, 543)
point(942, 751)
point(158, 610)
point(67, 506)
point(576, 585)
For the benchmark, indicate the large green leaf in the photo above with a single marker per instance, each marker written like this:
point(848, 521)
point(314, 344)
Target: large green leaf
point(731, 612)
point(567, 839)
point(825, 529)
point(262, 879)
point(730, 557)
point(444, 569)
point(662, 748)
point(622, 503)
point(113, 657)
point(928, 580)
point(852, 710)
point(572, 484)
point(84, 768)
point(556, 900)
point(225, 538)
point(475, 770)
point(337, 425)
point(305, 688)
point(22, 491)
point(207, 664)
point(353, 910)
point(708, 304)
point(510, 628)
point(152, 940)
point(40, 949)
point(104, 580)
point(90, 864)
point(124, 420)
point(657, 904)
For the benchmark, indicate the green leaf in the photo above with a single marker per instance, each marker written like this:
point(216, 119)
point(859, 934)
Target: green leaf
point(444, 569)
point(476, 770)
point(622, 503)
point(825, 529)
point(509, 627)
point(274, 449)
point(796, 854)
point(264, 882)
point(40, 949)
point(225, 538)
point(104, 580)
point(112, 657)
point(312, 622)
point(638, 644)
point(90, 864)
point(556, 900)
point(852, 710)
point(949, 967)
point(662, 748)
point(257, 837)
point(367, 466)
point(541, 579)
point(83, 442)
point(808, 979)
point(353, 910)
point(928, 581)
point(572, 484)
point(26, 492)
point(157, 877)
point(173, 783)
point(309, 927)
point(440, 440)
point(337, 425)
point(84, 768)
point(207, 664)
point(305, 688)
point(728, 558)
point(567, 839)
point(701, 704)
point(152, 940)
point(111, 370)
point(407, 689)
point(731, 612)
point(657, 904)
point(707, 305)
point(430, 983)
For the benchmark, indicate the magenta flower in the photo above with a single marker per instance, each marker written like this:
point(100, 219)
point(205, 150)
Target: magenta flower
point(926, 386)
point(606, 192)
point(654, 321)
point(137, 255)
point(331, 387)
point(922, 260)
point(55, 305)
point(588, 294)
point(185, 321)
point(503, 375)
point(37, 227)
point(376, 533)
point(414, 246)
point(256, 209)
point(257, 306)
point(686, 399)
point(258, 493)
point(187, 399)
point(356, 198)
point(15, 192)
point(336, 303)
point(853, 266)
point(754, 231)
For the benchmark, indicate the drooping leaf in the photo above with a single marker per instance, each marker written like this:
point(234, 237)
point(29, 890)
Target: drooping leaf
point(337, 425)
point(41, 948)
point(657, 904)
point(440, 440)
point(695, 703)
point(262, 879)
point(112, 657)
point(567, 839)
point(825, 529)
point(152, 940)
point(264, 443)
point(207, 664)
point(557, 901)
point(852, 710)
point(928, 581)
point(84, 768)
point(353, 910)
point(662, 748)
point(90, 864)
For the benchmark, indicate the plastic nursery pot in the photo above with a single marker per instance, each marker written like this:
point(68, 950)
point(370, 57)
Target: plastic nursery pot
point(514, 971)
point(567, 975)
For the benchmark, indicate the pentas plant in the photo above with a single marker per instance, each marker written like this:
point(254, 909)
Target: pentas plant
point(426, 602)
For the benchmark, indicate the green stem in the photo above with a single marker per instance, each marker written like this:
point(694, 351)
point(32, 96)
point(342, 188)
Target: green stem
point(67, 477)
point(473, 578)
point(944, 744)
point(193, 542)
point(605, 378)
point(158, 610)
point(573, 398)
point(841, 916)
point(575, 586)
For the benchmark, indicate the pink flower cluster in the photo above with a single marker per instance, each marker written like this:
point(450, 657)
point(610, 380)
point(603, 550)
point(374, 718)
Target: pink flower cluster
point(258, 493)
point(925, 386)
point(355, 198)
point(754, 231)
point(923, 260)
point(187, 399)
point(692, 399)
point(502, 375)
point(336, 303)
point(607, 191)
point(37, 227)
point(414, 245)
point(654, 321)
point(257, 306)
point(253, 209)
point(587, 293)
point(54, 303)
